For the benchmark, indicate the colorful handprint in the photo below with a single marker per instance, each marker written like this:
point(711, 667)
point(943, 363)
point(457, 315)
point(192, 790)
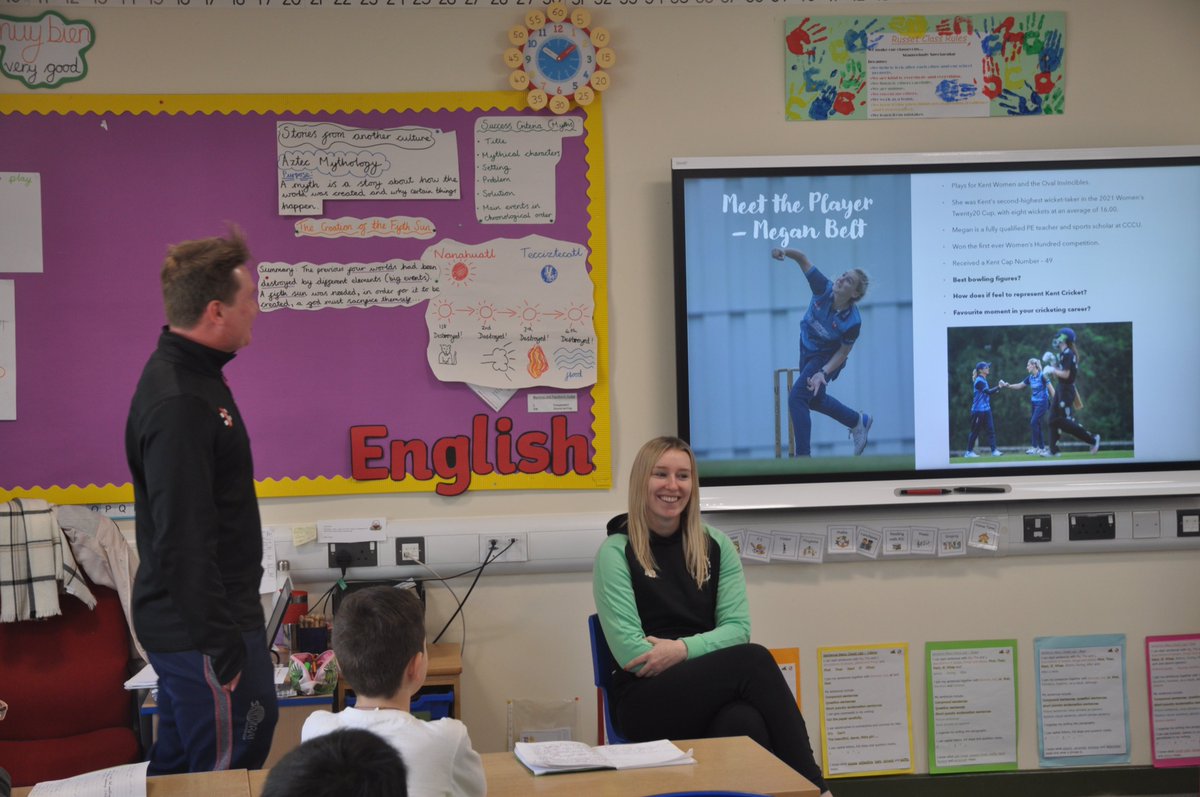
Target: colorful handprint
point(802, 40)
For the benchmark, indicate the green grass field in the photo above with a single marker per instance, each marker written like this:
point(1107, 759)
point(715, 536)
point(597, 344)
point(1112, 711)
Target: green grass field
point(1065, 456)
point(868, 464)
point(1020, 457)
point(801, 465)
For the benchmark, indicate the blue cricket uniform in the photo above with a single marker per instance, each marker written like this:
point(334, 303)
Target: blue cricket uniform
point(1039, 401)
point(823, 331)
point(981, 413)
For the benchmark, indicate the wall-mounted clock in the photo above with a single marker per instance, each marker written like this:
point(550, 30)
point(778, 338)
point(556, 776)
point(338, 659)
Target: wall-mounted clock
point(559, 59)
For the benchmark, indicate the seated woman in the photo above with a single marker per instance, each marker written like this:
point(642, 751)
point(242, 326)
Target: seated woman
point(671, 597)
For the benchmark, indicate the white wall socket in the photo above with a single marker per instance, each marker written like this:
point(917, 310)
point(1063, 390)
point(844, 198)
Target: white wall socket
point(518, 551)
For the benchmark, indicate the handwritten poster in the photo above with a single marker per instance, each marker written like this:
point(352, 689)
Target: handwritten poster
point(309, 286)
point(320, 161)
point(972, 692)
point(1083, 709)
point(45, 51)
point(514, 167)
point(512, 314)
point(866, 720)
point(924, 67)
point(408, 340)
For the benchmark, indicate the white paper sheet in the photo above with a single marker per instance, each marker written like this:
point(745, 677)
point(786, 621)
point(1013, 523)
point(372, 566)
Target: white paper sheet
point(1174, 673)
point(865, 709)
point(123, 781)
point(21, 232)
point(1081, 701)
point(974, 706)
point(355, 530)
point(8, 351)
point(512, 314)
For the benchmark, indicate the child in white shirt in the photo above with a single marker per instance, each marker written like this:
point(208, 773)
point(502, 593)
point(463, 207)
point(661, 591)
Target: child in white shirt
point(379, 642)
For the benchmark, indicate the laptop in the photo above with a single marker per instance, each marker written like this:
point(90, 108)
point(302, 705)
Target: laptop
point(279, 606)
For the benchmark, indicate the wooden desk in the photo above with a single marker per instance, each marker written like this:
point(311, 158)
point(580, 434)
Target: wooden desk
point(231, 783)
point(445, 669)
point(735, 763)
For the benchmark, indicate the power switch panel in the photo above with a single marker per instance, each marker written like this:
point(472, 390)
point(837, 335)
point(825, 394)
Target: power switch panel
point(1092, 526)
point(1146, 525)
point(1037, 528)
point(353, 554)
point(1188, 522)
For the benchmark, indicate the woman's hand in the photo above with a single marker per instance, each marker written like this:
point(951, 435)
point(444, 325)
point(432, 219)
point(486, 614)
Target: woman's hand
point(816, 382)
point(665, 653)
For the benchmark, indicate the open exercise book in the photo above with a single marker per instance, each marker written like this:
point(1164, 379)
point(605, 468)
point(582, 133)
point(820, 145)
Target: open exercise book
point(547, 758)
point(127, 780)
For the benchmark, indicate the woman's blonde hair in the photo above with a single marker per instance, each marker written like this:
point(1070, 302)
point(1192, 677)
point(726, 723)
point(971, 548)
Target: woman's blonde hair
point(695, 541)
point(864, 282)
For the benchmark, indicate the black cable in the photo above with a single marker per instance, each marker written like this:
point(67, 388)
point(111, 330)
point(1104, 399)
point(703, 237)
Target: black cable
point(321, 601)
point(492, 556)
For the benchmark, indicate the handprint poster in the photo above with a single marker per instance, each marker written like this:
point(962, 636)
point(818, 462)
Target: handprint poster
point(924, 67)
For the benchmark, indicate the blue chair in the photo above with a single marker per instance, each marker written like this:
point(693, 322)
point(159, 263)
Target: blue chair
point(603, 667)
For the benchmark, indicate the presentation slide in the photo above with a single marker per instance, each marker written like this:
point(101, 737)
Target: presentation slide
point(1072, 248)
point(969, 277)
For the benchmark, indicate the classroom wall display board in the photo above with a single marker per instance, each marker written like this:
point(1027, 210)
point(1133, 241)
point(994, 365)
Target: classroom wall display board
point(431, 272)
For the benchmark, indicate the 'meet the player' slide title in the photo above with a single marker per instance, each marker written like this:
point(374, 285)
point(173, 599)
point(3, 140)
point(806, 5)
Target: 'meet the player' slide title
point(838, 214)
point(456, 458)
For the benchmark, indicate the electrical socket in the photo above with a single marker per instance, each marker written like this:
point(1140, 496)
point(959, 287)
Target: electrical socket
point(362, 554)
point(1037, 528)
point(1187, 522)
point(410, 549)
point(1091, 526)
point(517, 552)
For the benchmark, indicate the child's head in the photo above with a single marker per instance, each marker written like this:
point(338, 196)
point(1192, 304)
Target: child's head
point(345, 763)
point(377, 633)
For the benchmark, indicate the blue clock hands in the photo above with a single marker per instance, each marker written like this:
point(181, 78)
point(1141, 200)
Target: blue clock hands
point(558, 58)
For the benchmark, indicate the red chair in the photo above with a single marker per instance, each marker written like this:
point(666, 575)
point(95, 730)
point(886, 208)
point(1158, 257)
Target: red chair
point(68, 711)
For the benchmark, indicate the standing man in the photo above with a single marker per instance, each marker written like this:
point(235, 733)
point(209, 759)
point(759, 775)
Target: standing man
point(196, 604)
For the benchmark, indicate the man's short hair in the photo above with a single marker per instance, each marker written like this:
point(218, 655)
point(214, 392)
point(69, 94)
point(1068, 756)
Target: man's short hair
point(350, 762)
point(197, 272)
point(376, 633)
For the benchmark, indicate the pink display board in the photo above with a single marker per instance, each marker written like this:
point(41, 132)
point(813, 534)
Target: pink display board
point(124, 177)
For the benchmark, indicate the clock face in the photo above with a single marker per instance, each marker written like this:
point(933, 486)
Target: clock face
point(559, 58)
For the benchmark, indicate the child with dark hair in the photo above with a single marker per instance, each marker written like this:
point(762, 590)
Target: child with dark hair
point(379, 641)
point(345, 763)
